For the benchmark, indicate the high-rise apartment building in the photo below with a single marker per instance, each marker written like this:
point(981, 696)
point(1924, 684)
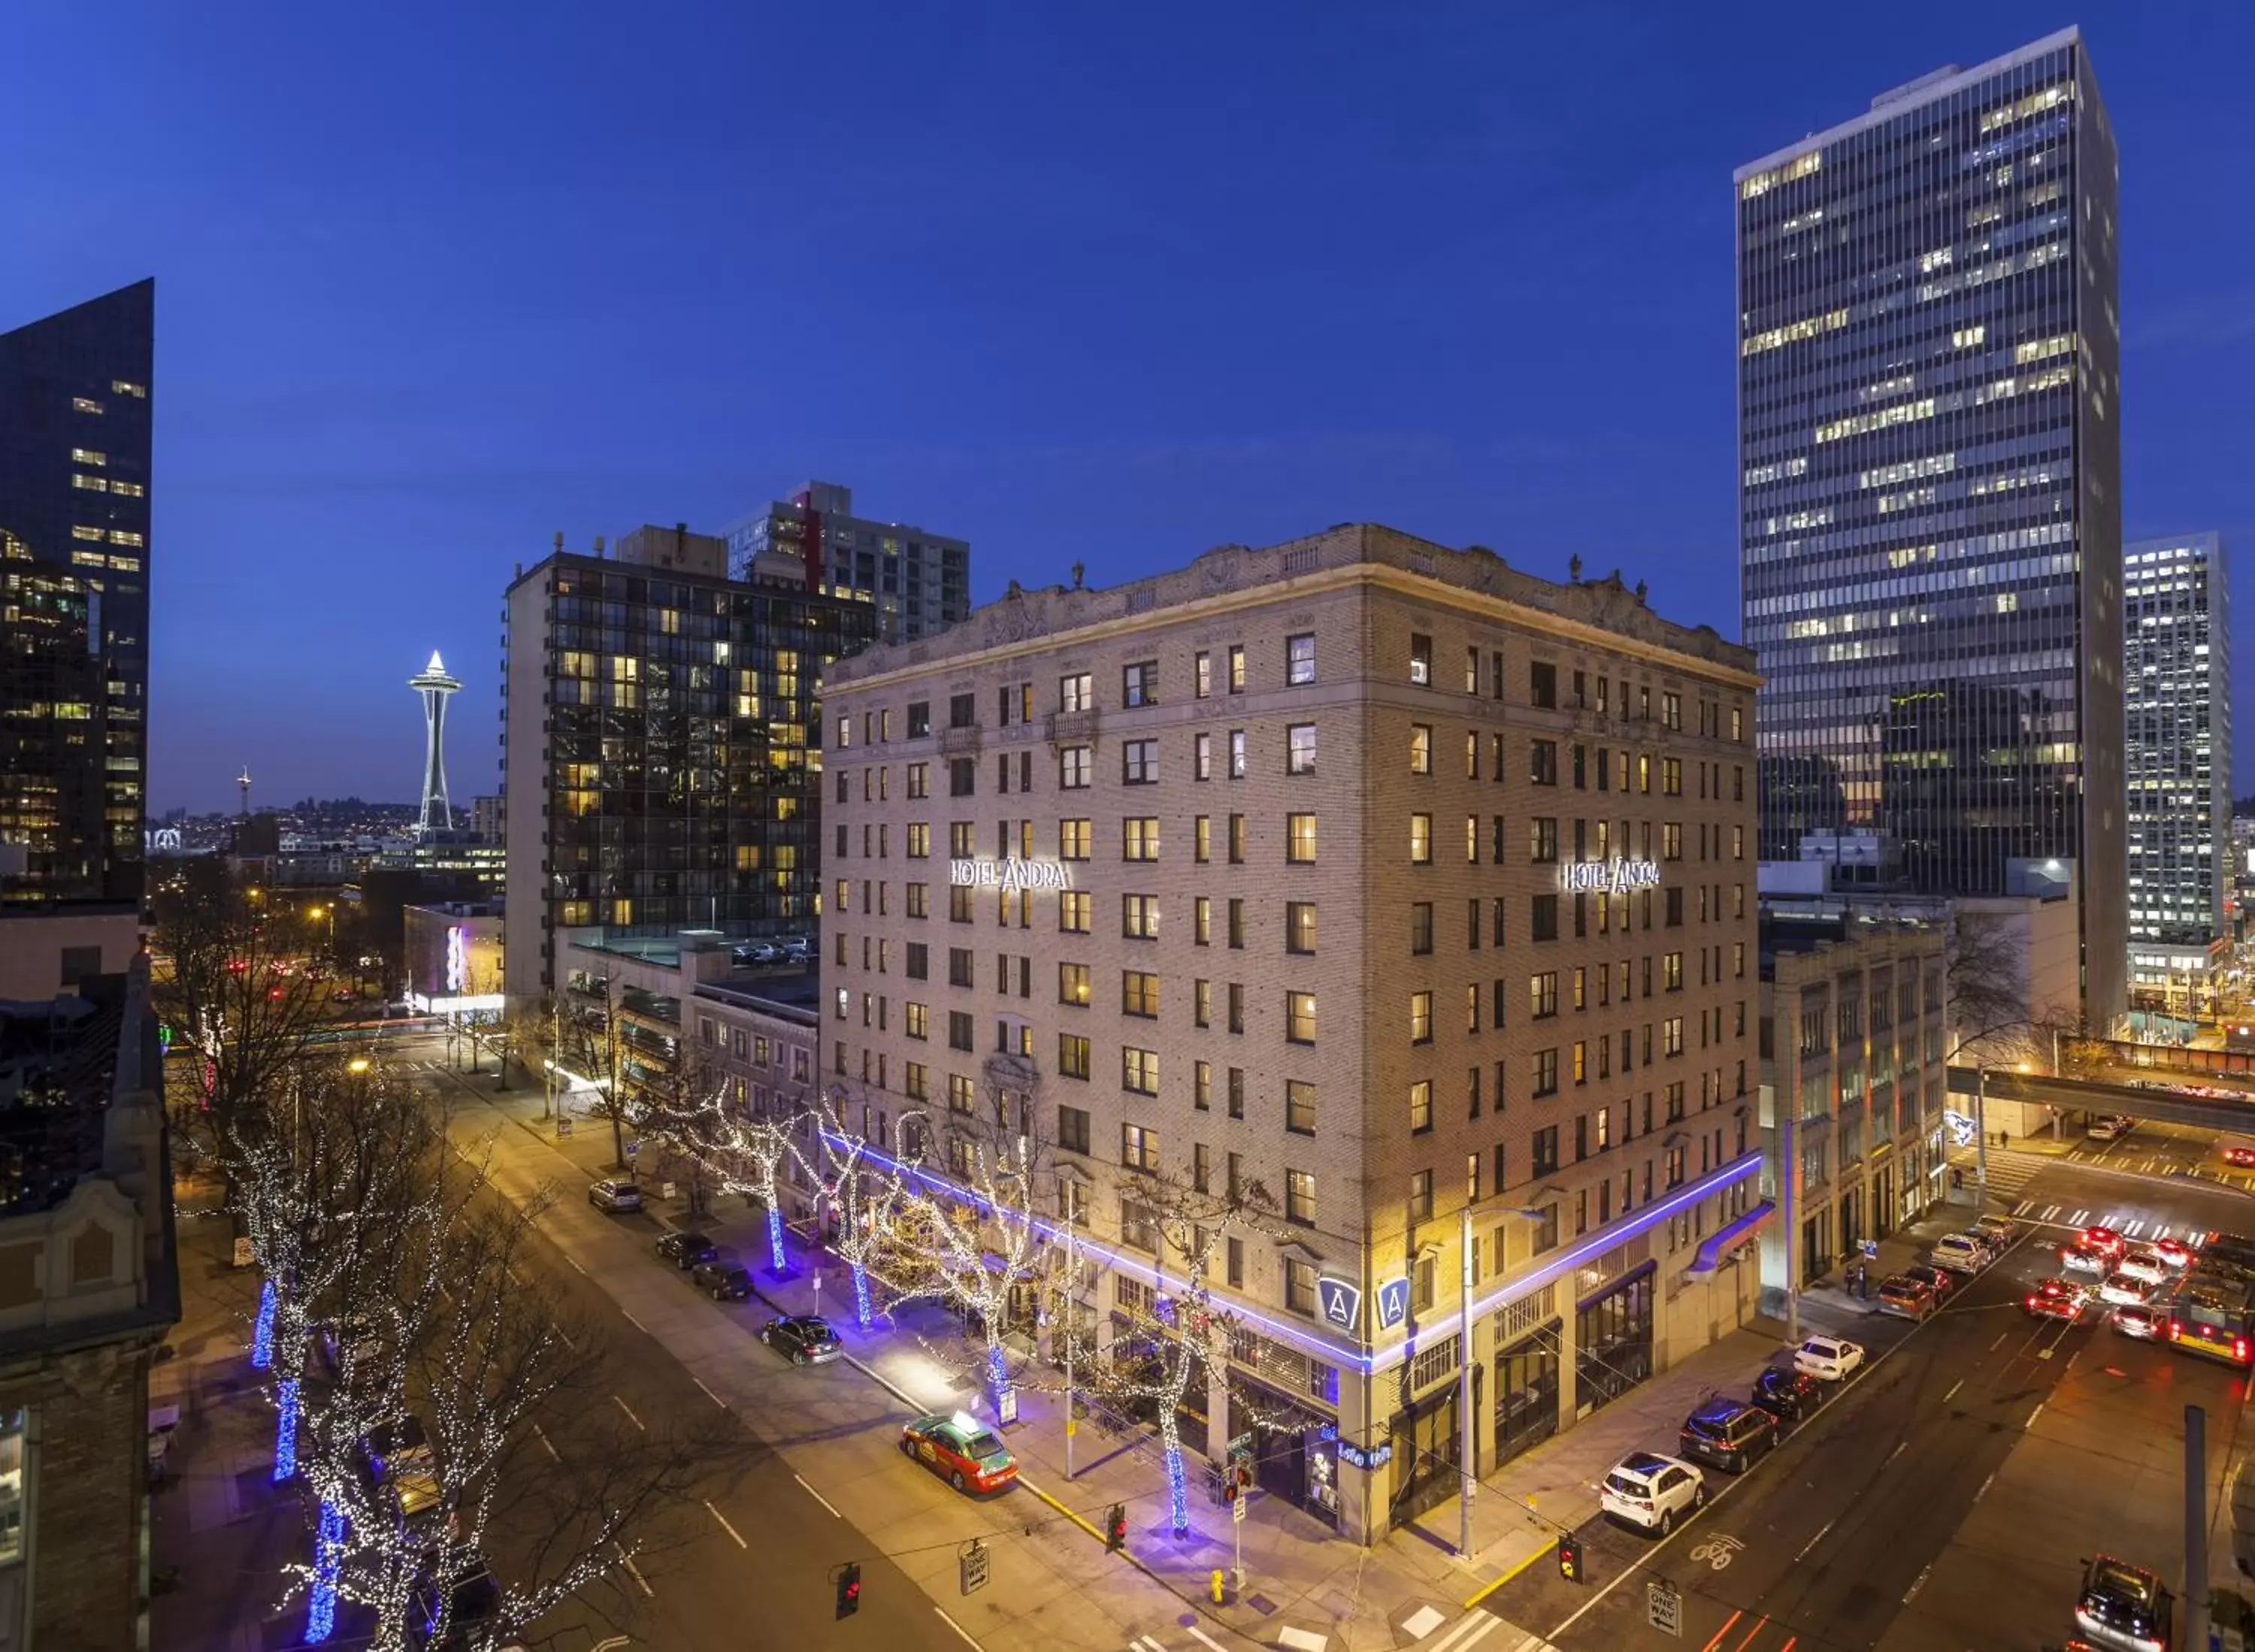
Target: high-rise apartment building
point(1930, 486)
point(660, 765)
point(75, 463)
point(2176, 621)
point(918, 583)
point(1416, 889)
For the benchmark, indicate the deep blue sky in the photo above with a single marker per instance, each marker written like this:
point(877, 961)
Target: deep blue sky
point(1102, 283)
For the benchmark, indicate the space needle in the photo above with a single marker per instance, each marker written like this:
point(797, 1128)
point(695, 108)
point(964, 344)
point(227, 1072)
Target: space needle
point(434, 686)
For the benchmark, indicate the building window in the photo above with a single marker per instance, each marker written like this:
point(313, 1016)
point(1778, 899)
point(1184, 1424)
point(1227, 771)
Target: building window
point(1420, 749)
point(1300, 1017)
point(958, 1030)
point(1543, 994)
point(1300, 659)
point(1237, 921)
point(1073, 910)
point(1202, 756)
point(962, 777)
point(1237, 770)
point(1139, 1147)
point(1202, 838)
point(1077, 693)
point(919, 1021)
point(1421, 1106)
point(1237, 668)
point(1073, 1129)
point(1139, 684)
point(1421, 1017)
point(1139, 1070)
point(1421, 659)
point(1300, 838)
point(1542, 685)
point(1542, 840)
point(1138, 1229)
point(1204, 674)
point(1300, 1198)
point(1139, 993)
point(1139, 917)
point(1072, 985)
point(1421, 928)
point(1139, 839)
point(1543, 761)
point(1072, 1057)
point(1421, 1197)
point(1543, 1071)
point(1073, 768)
point(1421, 839)
point(1300, 926)
point(1299, 1286)
point(1543, 918)
point(1299, 1107)
point(1139, 763)
point(1237, 839)
point(1300, 749)
point(1073, 840)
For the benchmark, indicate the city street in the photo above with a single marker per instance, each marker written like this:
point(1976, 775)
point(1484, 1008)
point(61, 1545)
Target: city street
point(1944, 1499)
point(830, 1486)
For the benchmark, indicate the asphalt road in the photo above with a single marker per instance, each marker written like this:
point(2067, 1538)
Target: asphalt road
point(1942, 1499)
point(749, 1561)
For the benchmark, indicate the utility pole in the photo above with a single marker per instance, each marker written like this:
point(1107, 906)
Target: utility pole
point(1071, 1316)
point(1468, 1425)
point(1981, 1132)
point(1788, 1172)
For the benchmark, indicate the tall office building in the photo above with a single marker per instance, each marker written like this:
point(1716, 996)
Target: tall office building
point(74, 458)
point(1415, 887)
point(2177, 623)
point(661, 766)
point(1930, 487)
point(918, 583)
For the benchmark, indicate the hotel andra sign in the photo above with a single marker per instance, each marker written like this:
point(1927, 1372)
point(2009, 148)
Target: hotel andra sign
point(1010, 874)
point(1615, 876)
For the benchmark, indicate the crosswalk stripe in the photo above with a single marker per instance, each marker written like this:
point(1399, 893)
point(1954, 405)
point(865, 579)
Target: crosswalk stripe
point(2133, 1228)
point(2023, 1207)
point(2050, 1210)
point(2076, 1220)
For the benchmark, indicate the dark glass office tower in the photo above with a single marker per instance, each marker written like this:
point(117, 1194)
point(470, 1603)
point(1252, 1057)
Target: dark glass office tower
point(74, 450)
point(1930, 485)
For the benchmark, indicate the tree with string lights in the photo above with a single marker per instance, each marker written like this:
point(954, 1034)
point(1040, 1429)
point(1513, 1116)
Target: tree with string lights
point(861, 1190)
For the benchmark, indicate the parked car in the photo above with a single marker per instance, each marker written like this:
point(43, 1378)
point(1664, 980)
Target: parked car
point(1786, 1394)
point(615, 1194)
point(1828, 1359)
point(2142, 1320)
point(685, 1248)
point(1990, 1246)
point(2083, 1259)
point(2056, 1299)
point(1942, 1279)
point(2119, 1289)
point(2123, 1606)
point(802, 1339)
point(960, 1450)
point(723, 1278)
point(1999, 1229)
point(2144, 1264)
point(2108, 1127)
point(1959, 1254)
point(1912, 1298)
point(2105, 1240)
point(1651, 1492)
point(1729, 1434)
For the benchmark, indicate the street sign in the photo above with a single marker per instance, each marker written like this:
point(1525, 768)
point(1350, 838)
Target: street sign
point(563, 1127)
point(970, 1565)
point(668, 1189)
point(633, 1147)
point(1006, 1409)
point(1663, 1606)
point(1237, 1509)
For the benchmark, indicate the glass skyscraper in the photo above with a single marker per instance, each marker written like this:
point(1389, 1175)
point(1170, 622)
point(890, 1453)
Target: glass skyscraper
point(74, 455)
point(1930, 487)
point(2177, 616)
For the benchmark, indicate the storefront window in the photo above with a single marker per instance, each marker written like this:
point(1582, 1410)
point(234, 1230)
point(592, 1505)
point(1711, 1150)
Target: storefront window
point(1613, 1342)
point(1527, 1391)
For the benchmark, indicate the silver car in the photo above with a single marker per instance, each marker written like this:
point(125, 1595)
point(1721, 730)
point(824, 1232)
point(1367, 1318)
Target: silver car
point(615, 1194)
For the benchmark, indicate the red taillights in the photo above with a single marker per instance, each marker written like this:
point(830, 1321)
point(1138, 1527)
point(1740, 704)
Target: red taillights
point(2176, 1330)
point(2239, 1349)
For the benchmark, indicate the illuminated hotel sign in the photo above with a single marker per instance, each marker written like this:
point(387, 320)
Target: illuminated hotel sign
point(1010, 874)
point(1615, 876)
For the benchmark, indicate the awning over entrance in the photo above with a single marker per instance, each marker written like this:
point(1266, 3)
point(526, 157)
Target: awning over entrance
point(1724, 1241)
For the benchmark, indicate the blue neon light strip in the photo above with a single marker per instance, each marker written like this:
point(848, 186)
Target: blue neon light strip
point(1597, 1244)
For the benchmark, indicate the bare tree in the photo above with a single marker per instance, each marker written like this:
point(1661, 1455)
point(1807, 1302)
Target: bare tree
point(587, 1044)
point(1991, 1012)
point(860, 1191)
point(1178, 1333)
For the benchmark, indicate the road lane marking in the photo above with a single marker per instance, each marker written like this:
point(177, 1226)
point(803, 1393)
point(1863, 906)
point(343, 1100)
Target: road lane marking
point(2000, 1342)
point(538, 1434)
point(1812, 1543)
point(709, 1395)
point(636, 1323)
point(1759, 1625)
point(2035, 1414)
point(635, 1571)
point(1985, 1485)
point(1953, 1390)
point(818, 1497)
point(1918, 1585)
point(1728, 1624)
point(725, 1526)
point(629, 1410)
point(1901, 1446)
point(574, 1260)
point(1208, 1639)
point(1144, 1643)
point(967, 1640)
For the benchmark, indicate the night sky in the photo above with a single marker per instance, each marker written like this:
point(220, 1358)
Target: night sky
point(1112, 284)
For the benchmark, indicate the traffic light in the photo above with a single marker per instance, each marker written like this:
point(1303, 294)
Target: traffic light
point(849, 1589)
point(1115, 1527)
point(1570, 1559)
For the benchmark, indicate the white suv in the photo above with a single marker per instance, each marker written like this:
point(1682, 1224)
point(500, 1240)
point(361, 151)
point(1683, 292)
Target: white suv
point(1650, 1491)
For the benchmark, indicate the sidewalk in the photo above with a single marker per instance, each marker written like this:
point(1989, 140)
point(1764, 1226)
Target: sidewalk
point(218, 1517)
point(1304, 1589)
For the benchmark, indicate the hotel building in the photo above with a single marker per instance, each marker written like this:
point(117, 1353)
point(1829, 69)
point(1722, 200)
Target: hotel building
point(2177, 625)
point(1416, 889)
point(1930, 486)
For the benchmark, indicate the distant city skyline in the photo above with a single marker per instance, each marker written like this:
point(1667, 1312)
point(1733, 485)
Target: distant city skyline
point(1412, 273)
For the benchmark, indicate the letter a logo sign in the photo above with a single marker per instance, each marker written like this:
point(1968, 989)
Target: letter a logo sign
point(1340, 1301)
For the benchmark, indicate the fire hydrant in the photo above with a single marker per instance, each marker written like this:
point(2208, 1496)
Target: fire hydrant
point(1216, 1586)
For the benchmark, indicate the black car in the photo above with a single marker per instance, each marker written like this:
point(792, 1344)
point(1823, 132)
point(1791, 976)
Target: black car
point(1731, 1436)
point(685, 1249)
point(803, 1338)
point(1786, 1394)
point(2124, 1606)
point(725, 1278)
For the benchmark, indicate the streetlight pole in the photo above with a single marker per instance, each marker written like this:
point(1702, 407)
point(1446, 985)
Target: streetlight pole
point(1981, 1132)
point(1468, 1425)
point(1071, 1318)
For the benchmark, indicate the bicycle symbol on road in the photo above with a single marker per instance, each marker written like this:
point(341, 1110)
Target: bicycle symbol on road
point(1717, 1551)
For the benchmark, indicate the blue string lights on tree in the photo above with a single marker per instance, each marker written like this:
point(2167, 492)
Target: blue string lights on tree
point(328, 1554)
point(262, 1331)
point(861, 1297)
point(774, 1240)
point(285, 1428)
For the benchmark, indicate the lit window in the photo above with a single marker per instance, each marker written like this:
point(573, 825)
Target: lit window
point(83, 532)
point(87, 456)
point(119, 536)
point(91, 484)
point(85, 404)
point(126, 387)
point(1300, 659)
point(1300, 750)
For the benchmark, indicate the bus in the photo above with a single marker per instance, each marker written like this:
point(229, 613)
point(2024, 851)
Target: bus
point(2213, 1312)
